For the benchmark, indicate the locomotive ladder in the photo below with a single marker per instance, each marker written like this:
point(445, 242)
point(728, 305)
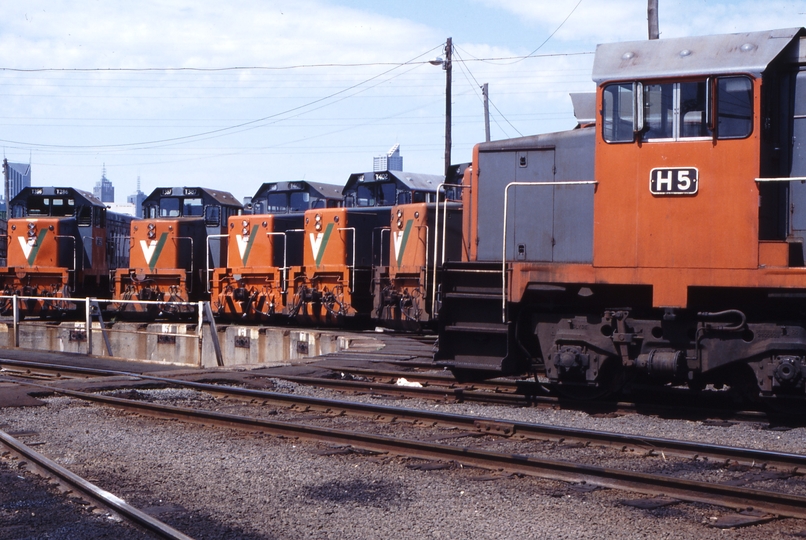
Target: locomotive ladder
point(472, 335)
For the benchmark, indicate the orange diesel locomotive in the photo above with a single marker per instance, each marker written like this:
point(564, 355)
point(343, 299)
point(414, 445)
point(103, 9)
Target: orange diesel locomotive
point(174, 246)
point(62, 242)
point(421, 236)
point(342, 246)
point(664, 244)
point(261, 246)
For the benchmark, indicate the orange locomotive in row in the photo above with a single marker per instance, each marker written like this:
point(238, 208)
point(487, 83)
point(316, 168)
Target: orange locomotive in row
point(253, 284)
point(316, 267)
point(172, 248)
point(62, 243)
point(662, 241)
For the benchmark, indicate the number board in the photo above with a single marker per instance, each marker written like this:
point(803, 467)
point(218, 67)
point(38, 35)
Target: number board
point(674, 181)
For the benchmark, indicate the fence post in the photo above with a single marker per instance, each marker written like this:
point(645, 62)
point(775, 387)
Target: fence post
point(16, 312)
point(96, 307)
point(88, 324)
point(208, 315)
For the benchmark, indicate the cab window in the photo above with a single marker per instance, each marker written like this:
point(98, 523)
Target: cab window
point(192, 207)
point(617, 101)
point(734, 107)
point(675, 111)
point(170, 207)
point(678, 110)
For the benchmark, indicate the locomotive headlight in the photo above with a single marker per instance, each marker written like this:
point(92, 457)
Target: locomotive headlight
point(152, 231)
point(244, 224)
point(399, 223)
point(318, 226)
point(318, 218)
point(245, 231)
point(399, 213)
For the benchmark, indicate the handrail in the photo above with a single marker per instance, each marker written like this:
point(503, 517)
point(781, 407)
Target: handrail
point(207, 259)
point(352, 273)
point(75, 260)
point(380, 260)
point(285, 260)
point(504, 240)
point(190, 281)
point(783, 179)
point(442, 188)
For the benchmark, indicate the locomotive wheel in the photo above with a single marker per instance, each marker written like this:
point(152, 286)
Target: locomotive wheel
point(612, 379)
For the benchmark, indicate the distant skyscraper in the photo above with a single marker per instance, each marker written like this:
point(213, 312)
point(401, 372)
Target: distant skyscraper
point(137, 199)
point(19, 176)
point(104, 189)
point(392, 161)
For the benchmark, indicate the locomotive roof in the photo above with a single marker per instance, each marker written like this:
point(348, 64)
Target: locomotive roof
point(52, 191)
point(330, 191)
point(414, 181)
point(749, 52)
point(222, 197)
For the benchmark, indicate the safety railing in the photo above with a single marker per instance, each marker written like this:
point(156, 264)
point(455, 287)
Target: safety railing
point(437, 261)
point(92, 310)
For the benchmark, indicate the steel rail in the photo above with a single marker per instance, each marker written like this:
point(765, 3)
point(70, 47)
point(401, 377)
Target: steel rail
point(650, 484)
point(425, 392)
point(103, 498)
point(781, 460)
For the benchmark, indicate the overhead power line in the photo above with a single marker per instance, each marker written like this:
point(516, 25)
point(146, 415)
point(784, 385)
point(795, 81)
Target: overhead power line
point(282, 68)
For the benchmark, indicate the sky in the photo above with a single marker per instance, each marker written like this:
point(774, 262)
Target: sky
point(229, 95)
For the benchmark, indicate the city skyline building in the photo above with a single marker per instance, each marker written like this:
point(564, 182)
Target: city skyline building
point(392, 161)
point(104, 190)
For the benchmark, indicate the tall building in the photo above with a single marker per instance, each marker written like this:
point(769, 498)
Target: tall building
point(104, 189)
point(392, 161)
point(19, 176)
point(137, 199)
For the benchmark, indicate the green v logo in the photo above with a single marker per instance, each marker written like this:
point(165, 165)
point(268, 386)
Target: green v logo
point(30, 248)
point(152, 250)
point(319, 243)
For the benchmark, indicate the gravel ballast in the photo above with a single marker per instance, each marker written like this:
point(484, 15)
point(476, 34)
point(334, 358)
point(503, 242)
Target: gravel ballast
point(219, 483)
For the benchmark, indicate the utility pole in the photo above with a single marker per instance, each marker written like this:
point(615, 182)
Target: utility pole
point(5, 180)
point(486, 95)
point(447, 66)
point(652, 19)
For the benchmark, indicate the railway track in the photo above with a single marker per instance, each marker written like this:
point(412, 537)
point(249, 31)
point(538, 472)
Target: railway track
point(73, 483)
point(649, 484)
point(431, 385)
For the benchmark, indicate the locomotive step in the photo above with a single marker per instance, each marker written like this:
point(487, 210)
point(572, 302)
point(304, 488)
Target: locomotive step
point(478, 328)
point(474, 295)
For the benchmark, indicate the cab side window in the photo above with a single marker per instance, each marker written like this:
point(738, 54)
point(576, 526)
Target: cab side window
point(734, 107)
